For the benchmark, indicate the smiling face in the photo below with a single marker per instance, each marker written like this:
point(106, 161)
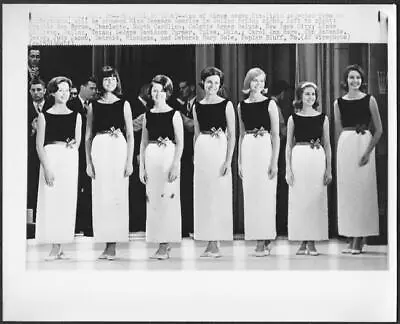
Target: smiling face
point(308, 97)
point(62, 94)
point(257, 84)
point(157, 93)
point(212, 84)
point(354, 80)
point(110, 83)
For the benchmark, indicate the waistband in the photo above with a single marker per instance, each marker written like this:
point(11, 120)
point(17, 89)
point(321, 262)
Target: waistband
point(257, 132)
point(68, 142)
point(114, 132)
point(161, 141)
point(213, 132)
point(359, 129)
point(313, 143)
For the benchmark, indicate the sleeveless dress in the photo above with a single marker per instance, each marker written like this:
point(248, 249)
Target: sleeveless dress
point(259, 192)
point(163, 218)
point(213, 215)
point(357, 197)
point(56, 205)
point(308, 203)
point(110, 187)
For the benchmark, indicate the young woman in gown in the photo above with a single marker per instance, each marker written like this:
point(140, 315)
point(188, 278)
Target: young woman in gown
point(109, 154)
point(356, 115)
point(258, 160)
point(214, 142)
point(308, 170)
point(57, 142)
point(160, 154)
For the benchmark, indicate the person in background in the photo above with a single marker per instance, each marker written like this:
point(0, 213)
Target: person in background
point(279, 91)
point(36, 105)
point(33, 63)
point(137, 190)
point(73, 92)
point(81, 104)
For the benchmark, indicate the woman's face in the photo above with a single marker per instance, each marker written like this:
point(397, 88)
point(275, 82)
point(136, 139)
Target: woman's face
point(354, 80)
point(212, 84)
point(62, 94)
point(258, 83)
point(110, 83)
point(157, 93)
point(308, 97)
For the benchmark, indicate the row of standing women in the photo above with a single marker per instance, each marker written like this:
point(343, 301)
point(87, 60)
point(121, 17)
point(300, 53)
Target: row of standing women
point(109, 153)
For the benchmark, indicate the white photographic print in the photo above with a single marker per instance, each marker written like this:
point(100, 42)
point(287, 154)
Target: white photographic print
point(199, 162)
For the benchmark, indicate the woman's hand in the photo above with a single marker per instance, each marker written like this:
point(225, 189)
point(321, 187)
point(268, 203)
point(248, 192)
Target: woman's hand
point(49, 177)
point(173, 173)
point(327, 177)
point(90, 170)
point(364, 160)
point(289, 177)
point(128, 169)
point(142, 175)
point(272, 170)
point(225, 168)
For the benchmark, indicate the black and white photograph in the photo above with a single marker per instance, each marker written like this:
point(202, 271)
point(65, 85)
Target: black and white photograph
point(227, 171)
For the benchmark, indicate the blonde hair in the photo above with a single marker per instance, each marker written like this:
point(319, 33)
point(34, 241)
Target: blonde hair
point(250, 75)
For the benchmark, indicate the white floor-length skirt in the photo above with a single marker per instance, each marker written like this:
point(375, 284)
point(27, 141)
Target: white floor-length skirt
point(308, 203)
point(213, 215)
point(357, 197)
point(163, 218)
point(56, 205)
point(259, 192)
point(110, 193)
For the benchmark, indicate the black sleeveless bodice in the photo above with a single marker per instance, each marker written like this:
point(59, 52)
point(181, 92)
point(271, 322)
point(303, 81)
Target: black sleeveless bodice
point(106, 116)
point(354, 112)
point(59, 128)
point(211, 115)
point(160, 125)
point(255, 115)
point(308, 128)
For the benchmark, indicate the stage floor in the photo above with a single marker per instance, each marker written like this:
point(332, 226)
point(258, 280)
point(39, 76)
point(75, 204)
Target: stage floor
point(134, 255)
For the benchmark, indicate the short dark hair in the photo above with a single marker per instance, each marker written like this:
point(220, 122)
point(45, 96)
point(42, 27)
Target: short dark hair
point(209, 71)
point(33, 48)
point(52, 86)
point(166, 83)
point(353, 67)
point(277, 87)
point(37, 81)
point(298, 101)
point(106, 72)
point(86, 80)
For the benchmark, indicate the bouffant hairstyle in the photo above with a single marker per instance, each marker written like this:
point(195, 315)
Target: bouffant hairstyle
point(209, 71)
point(298, 101)
point(166, 83)
point(250, 75)
point(106, 72)
point(354, 67)
point(52, 86)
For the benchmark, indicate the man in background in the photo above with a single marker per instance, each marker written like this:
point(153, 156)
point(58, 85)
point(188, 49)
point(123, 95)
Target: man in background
point(33, 63)
point(36, 105)
point(81, 104)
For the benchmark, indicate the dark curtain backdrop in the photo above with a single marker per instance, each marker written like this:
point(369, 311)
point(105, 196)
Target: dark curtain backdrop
point(319, 63)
